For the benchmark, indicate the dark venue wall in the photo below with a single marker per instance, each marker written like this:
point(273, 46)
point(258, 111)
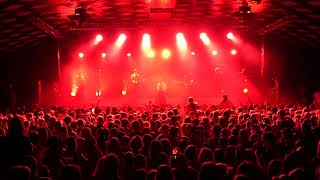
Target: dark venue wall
point(297, 66)
point(23, 68)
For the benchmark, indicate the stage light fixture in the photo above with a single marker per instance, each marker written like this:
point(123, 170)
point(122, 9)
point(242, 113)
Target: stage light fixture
point(245, 8)
point(81, 55)
point(129, 54)
point(166, 53)
point(103, 55)
point(193, 53)
point(214, 52)
point(233, 52)
point(121, 39)
point(205, 39)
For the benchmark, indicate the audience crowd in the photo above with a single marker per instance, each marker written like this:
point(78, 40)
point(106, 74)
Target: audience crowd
point(191, 142)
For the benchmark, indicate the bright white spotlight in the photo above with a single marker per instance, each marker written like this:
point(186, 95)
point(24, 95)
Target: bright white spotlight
point(124, 92)
point(233, 52)
point(181, 42)
point(193, 53)
point(81, 55)
point(214, 52)
point(129, 54)
point(205, 39)
point(121, 39)
point(103, 55)
point(99, 37)
point(146, 42)
point(230, 36)
point(166, 53)
point(73, 94)
point(245, 90)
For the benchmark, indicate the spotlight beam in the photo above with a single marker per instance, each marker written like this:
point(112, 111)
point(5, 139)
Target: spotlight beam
point(181, 43)
point(205, 39)
point(146, 42)
point(121, 39)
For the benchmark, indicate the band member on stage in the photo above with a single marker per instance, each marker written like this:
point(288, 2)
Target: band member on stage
point(134, 77)
point(161, 92)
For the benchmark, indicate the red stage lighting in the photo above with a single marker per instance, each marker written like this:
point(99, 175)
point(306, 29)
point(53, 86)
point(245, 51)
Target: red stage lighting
point(233, 52)
point(124, 92)
point(245, 90)
point(162, 4)
point(103, 55)
point(121, 39)
point(205, 39)
point(230, 36)
point(214, 52)
point(166, 53)
point(81, 55)
point(129, 54)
